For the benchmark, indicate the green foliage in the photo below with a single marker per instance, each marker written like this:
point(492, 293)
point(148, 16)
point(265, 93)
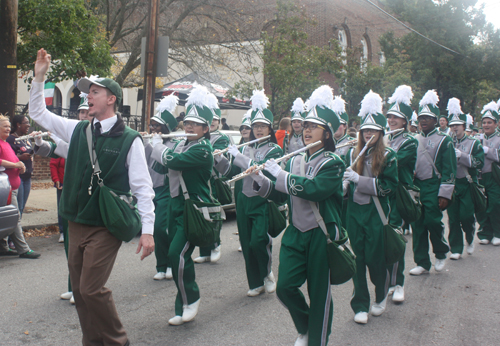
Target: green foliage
point(66, 29)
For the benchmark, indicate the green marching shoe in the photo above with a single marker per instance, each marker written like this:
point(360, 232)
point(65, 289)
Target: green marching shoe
point(30, 254)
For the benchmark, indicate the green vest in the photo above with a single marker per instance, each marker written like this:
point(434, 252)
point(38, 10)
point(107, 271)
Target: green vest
point(111, 149)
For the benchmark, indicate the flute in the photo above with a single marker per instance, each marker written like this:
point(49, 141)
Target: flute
point(32, 136)
point(361, 153)
point(347, 144)
point(283, 158)
point(223, 151)
point(172, 135)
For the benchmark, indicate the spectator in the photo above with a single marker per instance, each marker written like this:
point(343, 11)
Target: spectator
point(180, 118)
point(24, 152)
point(282, 132)
point(225, 126)
point(57, 175)
point(13, 167)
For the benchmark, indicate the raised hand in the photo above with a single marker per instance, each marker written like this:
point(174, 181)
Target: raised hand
point(42, 65)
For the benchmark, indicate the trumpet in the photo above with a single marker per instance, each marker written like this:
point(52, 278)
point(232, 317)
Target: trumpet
point(172, 135)
point(283, 158)
point(32, 136)
point(223, 151)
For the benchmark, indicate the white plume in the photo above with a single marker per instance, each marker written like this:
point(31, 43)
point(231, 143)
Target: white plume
point(212, 101)
point(298, 106)
point(259, 100)
point(82, 94)
point(168, 103)
point(414, 116)
point(197, 96)
point(371, 104)
point(402, 94)
point(470, 120)
point(454, 106)
point(492, 106)
point(248, 114)
point(338, 105)
point(430, 98)
point(498, 103)
point(322, 97)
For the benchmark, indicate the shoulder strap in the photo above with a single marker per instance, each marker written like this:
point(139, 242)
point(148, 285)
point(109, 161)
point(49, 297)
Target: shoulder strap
point(183, 187)
point(93, 160)
point(428, 156)
point(380, 210)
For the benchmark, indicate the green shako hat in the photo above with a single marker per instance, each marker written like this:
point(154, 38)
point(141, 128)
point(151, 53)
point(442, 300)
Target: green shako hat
point(84, 102)
point(371, 112)
point(85, 83)
point(490, 111)
point(260, 113)
point(428, 104)
point(414, 119)
point(246, 119)
point(213, 104)
point(338, 106)
point(165, 110)
point(298, 111)
point(196, 106)
point(400, 102)
point(455, 114)
point(319, 109)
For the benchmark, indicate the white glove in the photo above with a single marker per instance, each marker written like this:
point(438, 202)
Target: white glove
point(350, 175)
point(486, 149)
point(272, 167)
point(232, 150)
point(156, 139)
point(458, 153)
point(345, 187)
point(38, 141)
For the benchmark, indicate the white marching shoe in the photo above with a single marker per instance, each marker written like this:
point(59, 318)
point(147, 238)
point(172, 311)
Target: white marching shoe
point(202, 259)
point(470, 249)
point(159, 276)
point(439, 265)
point(399, 294)
point(215, 254)
point(67, 295)
point(418, 270)
point(455, 256)
point(176, 321)
point(379, 308)
point(240, 249)
point(484, 242)
point(255, 291)
point(190, 311)
point(270, 283)
point(391, 290)
point(168, 274)
point(72, 300)
point(495, 241)
point(61, 238)
point(361, 317)
point(302, 340)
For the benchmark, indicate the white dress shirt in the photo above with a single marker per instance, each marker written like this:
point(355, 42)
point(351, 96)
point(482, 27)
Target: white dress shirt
point(138, 177)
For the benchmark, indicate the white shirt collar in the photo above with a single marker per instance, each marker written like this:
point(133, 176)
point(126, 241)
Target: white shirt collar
point(106, 124)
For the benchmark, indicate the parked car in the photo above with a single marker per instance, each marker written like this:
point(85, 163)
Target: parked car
point(8, 213)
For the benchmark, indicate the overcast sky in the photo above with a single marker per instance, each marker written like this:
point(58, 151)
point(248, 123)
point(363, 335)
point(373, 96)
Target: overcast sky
point(492, 11)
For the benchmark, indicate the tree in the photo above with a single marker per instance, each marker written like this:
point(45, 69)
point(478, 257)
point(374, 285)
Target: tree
point(66, 29)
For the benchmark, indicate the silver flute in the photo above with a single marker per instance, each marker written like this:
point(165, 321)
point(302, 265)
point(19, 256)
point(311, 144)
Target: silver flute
point(223, 151)
point(172, 135)
point(32, 136)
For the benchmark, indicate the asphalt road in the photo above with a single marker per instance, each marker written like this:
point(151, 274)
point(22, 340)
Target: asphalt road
point(459, 306)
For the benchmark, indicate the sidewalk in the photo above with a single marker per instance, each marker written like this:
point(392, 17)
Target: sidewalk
point(43, 206)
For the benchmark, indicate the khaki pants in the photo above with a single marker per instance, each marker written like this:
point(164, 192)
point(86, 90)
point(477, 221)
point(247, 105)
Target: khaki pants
point(92, 254)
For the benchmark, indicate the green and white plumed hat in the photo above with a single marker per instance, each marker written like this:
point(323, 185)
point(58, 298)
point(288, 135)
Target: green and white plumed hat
point(338, 106)
point(213, 104)
point(166, 110)
point(196, 106)
point(414, 119)
point(400, 102)
point(260, 113)
point(455, 114)
point(84, 102)
point(371, 112)
point(319, 110)
point(490, 111)
point(429, 104)
point(298, 111)
point(469, 123)
point(246, 119)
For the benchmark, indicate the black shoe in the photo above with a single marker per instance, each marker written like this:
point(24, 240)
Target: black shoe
point(8, 253)
point(30, 254)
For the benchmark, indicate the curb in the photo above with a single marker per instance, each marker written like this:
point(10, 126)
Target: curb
point(39, 226)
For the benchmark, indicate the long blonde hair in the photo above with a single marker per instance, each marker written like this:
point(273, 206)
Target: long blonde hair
point(378, 154)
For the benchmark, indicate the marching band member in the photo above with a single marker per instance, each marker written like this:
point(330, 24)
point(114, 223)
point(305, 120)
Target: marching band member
point(296, 141)
point(405, 146)
point(190, 160)
point(219, 141)
point(341, 136)
point(470, 158)
point(491, 146)
point(414, 123)
point(443, 125)
point(303, 254)
point(163, 122)
point(435, 177)
point(371, 180)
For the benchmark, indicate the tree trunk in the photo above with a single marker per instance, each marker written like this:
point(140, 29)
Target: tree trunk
point(8, 56)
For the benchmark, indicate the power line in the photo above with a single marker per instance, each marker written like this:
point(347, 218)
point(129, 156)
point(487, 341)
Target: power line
point(413, 30)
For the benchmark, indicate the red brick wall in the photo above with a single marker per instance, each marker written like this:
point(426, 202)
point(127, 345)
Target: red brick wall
point(41, 168)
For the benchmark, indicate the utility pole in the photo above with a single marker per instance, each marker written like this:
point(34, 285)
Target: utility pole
point(150, 75)
point(8, 57)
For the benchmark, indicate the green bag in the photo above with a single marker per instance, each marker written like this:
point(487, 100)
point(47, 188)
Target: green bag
point(408, 203)
point(119, 214)
point(477, 193)
point(277, 218)
point(223, 190)
point(341, 260)
point(394, 241)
